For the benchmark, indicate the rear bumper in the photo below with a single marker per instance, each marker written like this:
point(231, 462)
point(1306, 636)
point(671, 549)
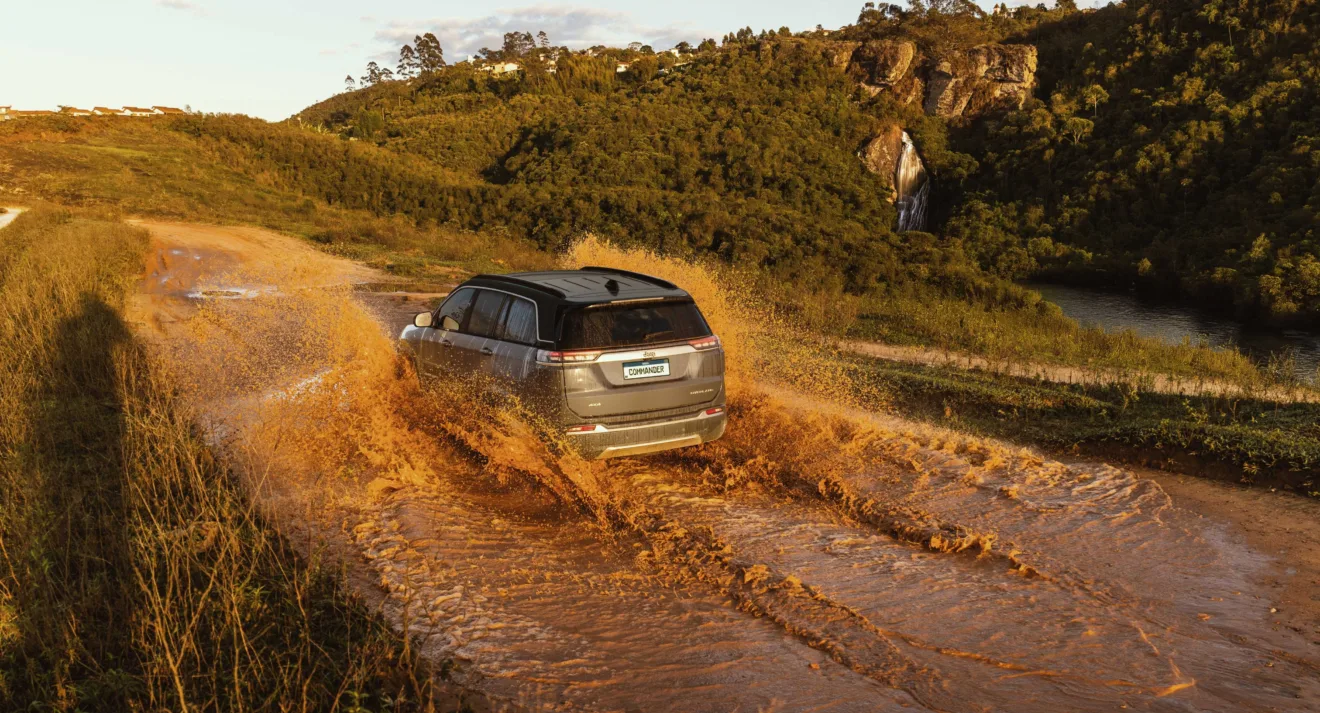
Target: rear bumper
point(621, 441)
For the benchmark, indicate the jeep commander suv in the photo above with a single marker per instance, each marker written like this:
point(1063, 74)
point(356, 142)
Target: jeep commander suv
point(625, 363)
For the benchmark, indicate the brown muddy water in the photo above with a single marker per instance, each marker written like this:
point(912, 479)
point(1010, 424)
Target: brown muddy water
point(819, 558)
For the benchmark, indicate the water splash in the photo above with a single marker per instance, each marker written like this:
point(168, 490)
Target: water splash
point(913, 186)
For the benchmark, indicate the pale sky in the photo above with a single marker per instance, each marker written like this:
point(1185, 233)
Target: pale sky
point(271, 58)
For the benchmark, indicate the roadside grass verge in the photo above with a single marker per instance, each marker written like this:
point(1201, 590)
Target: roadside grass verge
point(134, 572)
point(1242, 439)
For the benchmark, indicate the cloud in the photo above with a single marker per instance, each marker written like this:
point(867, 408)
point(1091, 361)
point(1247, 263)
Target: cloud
point(182, 5)
point(573, 27)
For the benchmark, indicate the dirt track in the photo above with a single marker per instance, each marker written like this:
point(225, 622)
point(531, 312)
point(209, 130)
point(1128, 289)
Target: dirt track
point(817, 559)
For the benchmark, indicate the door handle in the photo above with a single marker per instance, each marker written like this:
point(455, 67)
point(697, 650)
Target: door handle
point(446, 342)
point(487, 351)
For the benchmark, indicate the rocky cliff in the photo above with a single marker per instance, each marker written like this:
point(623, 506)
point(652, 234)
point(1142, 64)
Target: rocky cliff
point(881, 154)
point(963, 83)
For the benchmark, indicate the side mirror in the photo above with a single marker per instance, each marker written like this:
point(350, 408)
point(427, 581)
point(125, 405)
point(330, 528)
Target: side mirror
point(423, 320)
point(449, 324)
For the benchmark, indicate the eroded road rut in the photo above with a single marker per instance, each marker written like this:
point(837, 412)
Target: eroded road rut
point(817, 559)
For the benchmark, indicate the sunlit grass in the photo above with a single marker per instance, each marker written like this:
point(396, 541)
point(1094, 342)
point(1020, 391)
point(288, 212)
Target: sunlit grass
point(135, 573)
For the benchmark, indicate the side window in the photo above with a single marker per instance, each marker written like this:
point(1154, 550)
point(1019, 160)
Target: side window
point(486, 314)
point(520, 322)
point(455, 309)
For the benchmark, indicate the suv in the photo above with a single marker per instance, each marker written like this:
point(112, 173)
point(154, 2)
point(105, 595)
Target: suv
point(625, 363)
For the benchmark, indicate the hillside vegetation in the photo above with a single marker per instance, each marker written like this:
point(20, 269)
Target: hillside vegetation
point(1173, 145)
point(170, 169)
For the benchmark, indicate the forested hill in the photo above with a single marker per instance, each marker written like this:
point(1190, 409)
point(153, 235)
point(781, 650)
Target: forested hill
point(1174, 145)
point(747, 149)
point(748, 152)
point(1168, 144)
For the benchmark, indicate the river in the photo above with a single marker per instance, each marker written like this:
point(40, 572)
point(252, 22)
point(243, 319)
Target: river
point(1172, 323)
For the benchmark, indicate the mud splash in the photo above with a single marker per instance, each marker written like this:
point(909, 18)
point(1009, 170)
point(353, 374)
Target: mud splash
point(818, 558)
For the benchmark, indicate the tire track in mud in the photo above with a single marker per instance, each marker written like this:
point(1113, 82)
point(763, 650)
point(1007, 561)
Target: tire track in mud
point(545, 613)
point(1102, 505)
point(1093, 659)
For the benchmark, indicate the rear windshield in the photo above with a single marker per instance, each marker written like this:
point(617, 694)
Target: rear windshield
point(610, 326)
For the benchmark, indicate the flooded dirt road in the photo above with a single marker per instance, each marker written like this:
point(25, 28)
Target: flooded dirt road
point(9, 215)
point(819, 558)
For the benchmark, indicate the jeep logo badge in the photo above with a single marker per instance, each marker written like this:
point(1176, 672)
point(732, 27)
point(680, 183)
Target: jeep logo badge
point(648, 355)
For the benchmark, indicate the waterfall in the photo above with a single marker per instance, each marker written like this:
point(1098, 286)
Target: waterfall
point(913, 188)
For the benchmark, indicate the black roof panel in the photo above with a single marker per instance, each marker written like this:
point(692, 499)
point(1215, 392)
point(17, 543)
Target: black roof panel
point(554, 290)
point(595, 284)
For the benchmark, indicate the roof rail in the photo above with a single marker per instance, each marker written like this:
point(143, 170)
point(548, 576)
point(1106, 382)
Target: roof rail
point(635, 275)
point(523, 283)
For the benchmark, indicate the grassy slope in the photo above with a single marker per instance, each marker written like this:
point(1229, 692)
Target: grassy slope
point(133, 572)
point(143, 168)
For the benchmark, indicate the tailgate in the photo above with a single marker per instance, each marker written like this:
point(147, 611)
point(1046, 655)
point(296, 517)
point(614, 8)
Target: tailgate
point(638, 381)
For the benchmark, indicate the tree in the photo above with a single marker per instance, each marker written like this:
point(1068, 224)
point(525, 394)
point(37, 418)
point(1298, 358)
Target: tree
point(543, 40)
point(349, 84)
point(1095, 95)
point(369, 123)
point(408, 64)
point(373, 74)
point(707, 45)
point(683, 47)
point(430, 57)
point(1078, 128)
point(517, 44)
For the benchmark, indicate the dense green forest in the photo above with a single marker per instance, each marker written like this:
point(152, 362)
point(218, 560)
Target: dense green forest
point(745, 150)
point(1170, 145)
point(747, 153)
point(1173, 145)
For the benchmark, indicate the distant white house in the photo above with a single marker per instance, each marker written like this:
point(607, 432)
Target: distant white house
point(168, 110)
point(105, 111)
point(674, 51)
point(74, 111)
point(623, 67)
point(140, 111)
point(4, 113)
point(501, 68)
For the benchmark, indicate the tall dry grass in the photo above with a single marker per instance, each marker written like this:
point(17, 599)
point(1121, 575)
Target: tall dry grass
point(135, 573)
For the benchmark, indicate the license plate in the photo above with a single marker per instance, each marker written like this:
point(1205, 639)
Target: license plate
point(645, 369)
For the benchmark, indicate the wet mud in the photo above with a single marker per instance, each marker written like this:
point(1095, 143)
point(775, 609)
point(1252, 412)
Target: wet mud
point(818, 558)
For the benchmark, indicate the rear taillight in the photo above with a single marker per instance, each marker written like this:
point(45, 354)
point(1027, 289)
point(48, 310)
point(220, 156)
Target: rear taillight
point(582, 429)
point(566, 357)
point(711, 342)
